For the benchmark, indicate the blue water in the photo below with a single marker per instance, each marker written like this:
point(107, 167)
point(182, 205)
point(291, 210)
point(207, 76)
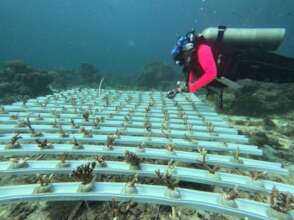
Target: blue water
point(121, 36)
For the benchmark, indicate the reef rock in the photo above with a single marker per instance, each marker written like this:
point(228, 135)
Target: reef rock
point(260, 99)
point(89, 74)
point(86, 76)
point(18, 79)
point(18, 66)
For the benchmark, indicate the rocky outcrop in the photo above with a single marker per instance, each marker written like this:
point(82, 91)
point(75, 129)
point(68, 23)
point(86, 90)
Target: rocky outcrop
point(19, 80)
point(86, 76)
point(260, 99)
point(157, 75)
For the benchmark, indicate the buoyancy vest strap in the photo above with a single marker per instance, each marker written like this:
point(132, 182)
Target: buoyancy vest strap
point(218, 54)
point(221, 32)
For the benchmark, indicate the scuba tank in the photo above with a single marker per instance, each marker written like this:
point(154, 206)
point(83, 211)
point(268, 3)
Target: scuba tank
point(250, 52)
point(268, 39)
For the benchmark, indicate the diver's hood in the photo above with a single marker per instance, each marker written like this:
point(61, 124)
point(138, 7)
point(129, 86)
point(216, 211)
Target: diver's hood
point(183, 43)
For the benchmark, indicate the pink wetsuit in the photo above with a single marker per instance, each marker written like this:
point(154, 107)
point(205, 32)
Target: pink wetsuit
point(206, 61)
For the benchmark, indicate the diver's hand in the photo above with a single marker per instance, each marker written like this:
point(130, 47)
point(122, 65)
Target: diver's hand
point(171, 93)
point(181, 87)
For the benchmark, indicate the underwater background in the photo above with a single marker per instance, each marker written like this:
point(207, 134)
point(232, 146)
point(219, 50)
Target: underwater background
point(122, 36)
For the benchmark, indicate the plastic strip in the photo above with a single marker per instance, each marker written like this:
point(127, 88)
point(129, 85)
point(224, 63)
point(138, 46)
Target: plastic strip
point(149, 153)
point(144, 194)
point(148, 170)
point(137, 141)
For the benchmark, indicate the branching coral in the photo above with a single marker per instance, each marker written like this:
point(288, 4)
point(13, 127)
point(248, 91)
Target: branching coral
point(152, 102)
point(21, 123)
point(39, 117)
point(167, 180)
point(34, 133)
point(56, 114)
point(16, 163)
point(14, 142)
point(189, 128)
point(62, 158)
point(24, 99)
point(190, 137)
point(133, 180)
point(141, 147)
point(97, 122)
point(45, 103)
point(56, 123)
point(131, 111)
point(84, 173)
point(73, 124)
point(281, 201)
point(62, 163)
point(101, 161)
point(86, 116)
point(76, 144)
point(185, 120)
point(171, 166)
point(13, 117)
point(106, 99)
point(170, 147)
point(147, 109)
point(126, 118)
point(165, 125)
point(165, 133)
point(62, 132)
point(43, 144)
point(118, 133)
point(257, 175)
point(132, 159)
point(188, 99)
point(110, 141)
point(147, 125)
point(211, 168)
point(117, 108)
point(45, 184)
point(73, 101)
point(44, 180)
point(123, 211)
point(87, 133)
point(236, 156)
point(210, 127)
point(232, 194)
point(203, 153)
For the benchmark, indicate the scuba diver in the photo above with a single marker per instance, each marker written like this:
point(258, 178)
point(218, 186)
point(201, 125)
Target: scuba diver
point(219, 56)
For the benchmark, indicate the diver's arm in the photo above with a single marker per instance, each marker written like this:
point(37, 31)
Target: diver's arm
point(207, 62)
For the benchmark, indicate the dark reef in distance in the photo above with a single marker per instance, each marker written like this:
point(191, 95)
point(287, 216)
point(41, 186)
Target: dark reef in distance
point(257, 98)
point(19, 81)
point(86, 76)
point(158, 75)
